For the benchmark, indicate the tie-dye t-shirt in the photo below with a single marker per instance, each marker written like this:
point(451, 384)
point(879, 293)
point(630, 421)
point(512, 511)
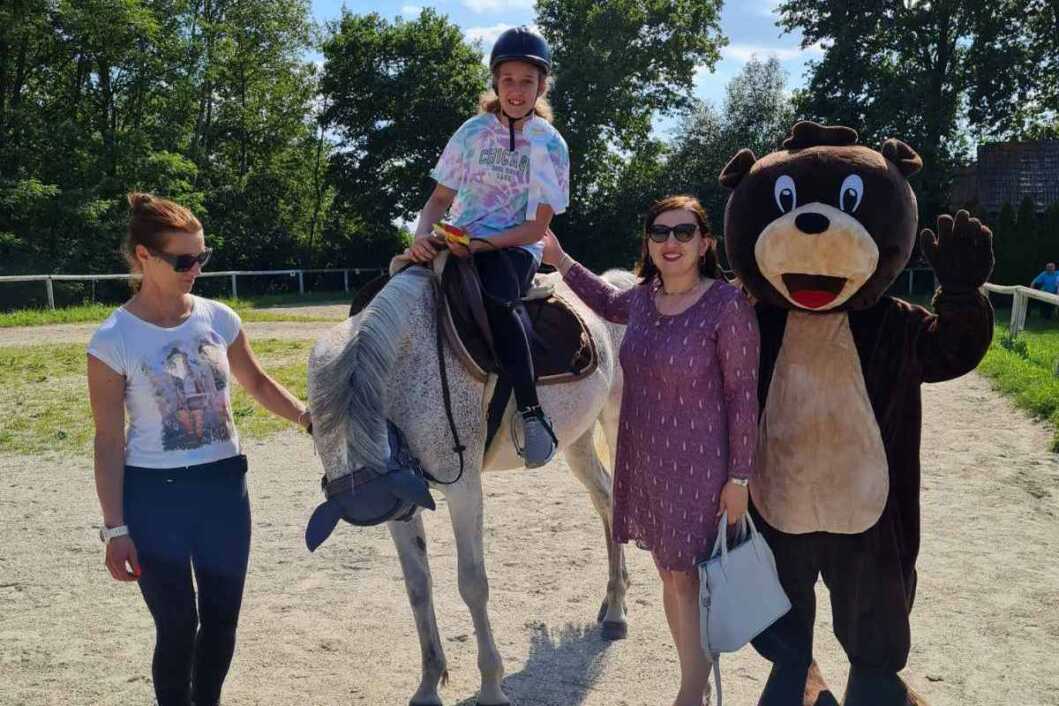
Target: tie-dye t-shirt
point(177, 387)
point(497, 189)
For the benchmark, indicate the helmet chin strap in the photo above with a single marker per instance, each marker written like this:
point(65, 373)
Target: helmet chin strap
point(511, 124)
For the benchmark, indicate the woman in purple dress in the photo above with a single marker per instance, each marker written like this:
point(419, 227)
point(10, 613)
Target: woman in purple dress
point(688, 422)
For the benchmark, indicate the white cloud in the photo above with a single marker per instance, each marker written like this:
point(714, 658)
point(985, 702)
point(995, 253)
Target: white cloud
point(486, 35)
point(745, 52)
point(411, 10)
point(480, 6)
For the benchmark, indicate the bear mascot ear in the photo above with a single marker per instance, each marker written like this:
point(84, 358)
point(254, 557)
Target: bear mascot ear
point(903, 156)
point(806, 133)
point(737, 168)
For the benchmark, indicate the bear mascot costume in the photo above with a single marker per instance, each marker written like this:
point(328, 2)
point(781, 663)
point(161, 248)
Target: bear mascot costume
point(816, 233)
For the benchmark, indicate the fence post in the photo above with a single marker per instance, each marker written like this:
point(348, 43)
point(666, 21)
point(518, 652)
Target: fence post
point(1018, 313)
point(301, 282)
point(235, 292)
point(51, 292)
point(345, 279)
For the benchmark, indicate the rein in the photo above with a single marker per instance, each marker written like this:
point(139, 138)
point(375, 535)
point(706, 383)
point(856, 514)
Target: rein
point(443, 373)
point(439, 295)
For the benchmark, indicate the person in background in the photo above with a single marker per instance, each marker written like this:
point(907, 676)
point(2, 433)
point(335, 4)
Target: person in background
point(1047, 281)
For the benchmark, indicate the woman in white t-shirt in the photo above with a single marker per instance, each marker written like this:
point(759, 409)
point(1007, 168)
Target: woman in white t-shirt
point(169, 472)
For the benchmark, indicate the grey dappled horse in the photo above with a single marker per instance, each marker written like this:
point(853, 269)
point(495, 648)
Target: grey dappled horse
point(382, 364)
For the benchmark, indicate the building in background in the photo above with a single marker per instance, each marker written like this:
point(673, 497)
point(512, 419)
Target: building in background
point(1007, 173)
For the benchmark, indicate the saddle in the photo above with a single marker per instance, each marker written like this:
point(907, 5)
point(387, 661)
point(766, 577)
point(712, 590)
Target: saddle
point(562, 349)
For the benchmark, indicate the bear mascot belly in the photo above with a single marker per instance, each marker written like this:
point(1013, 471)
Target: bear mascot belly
point(817, 232)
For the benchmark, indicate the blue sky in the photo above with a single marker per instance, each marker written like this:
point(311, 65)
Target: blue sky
point(749, 25)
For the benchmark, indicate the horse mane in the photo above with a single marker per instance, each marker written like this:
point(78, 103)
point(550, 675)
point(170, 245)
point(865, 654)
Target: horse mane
point(622, 279)
point(353, 383)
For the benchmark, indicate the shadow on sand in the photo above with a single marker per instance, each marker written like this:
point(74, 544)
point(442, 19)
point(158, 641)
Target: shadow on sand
point(562, 666)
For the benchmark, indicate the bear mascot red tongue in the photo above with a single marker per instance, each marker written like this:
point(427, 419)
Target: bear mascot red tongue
point(817, 232)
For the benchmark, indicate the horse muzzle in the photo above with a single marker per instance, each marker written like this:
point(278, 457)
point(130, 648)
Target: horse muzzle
point(369, 497)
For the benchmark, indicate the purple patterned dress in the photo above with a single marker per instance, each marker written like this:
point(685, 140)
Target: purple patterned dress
point(689, 413)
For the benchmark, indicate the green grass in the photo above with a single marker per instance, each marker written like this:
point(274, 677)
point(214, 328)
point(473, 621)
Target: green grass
point(267, 307)
point(67, 315)
point(1025, 369)
point(45, 402)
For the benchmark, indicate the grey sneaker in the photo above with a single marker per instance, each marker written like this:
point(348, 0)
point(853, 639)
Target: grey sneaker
point(539, 442)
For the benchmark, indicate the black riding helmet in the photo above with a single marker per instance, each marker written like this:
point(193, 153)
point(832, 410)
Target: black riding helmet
point(520, 44)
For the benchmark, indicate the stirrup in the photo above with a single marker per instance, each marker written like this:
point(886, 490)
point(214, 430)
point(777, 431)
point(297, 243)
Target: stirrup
point(537, 412)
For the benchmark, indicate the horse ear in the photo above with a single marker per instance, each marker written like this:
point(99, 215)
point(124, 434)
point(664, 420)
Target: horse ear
point(903, 156)
point(737, 168)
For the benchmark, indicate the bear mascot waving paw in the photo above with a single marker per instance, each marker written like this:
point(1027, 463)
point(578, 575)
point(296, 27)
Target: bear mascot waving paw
point(817, 232)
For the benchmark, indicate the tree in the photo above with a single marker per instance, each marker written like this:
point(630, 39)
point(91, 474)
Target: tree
point(617, 65)
point(253, 134)
point(205, 101)
point(1015, 71)
point(394, 93)
point(917, 69)
point(757, 114)
point(1012, 253)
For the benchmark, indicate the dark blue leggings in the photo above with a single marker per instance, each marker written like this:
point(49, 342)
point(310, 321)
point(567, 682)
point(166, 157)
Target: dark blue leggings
point(507, 275)
point(183, 520)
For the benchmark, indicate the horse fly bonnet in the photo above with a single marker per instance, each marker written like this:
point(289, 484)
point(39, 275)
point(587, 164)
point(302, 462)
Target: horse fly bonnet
point(368, 496)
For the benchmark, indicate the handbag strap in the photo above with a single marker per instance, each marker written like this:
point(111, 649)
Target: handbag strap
point(746, 529)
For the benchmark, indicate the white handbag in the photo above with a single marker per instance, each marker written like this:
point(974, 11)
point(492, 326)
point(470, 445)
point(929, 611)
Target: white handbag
point(739, 592)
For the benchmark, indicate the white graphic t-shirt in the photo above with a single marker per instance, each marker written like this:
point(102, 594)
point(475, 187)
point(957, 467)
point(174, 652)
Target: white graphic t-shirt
point(497, 189)
point(177, 389)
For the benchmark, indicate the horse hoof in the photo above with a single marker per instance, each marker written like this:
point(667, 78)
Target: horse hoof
point(602, 612)
point(432, 702)
point(614, 630)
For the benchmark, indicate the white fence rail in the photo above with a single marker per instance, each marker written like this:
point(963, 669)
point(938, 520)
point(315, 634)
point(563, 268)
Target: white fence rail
point(1020, 302)
point(300, 274)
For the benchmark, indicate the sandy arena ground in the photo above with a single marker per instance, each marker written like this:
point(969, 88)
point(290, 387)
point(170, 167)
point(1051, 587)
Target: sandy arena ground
point(335, 627)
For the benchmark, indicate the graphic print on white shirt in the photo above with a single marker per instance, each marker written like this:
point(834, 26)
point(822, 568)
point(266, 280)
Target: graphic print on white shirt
point(188, 383)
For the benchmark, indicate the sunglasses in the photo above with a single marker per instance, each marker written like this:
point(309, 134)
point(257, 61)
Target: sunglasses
point(184, 263)
point(683, 231)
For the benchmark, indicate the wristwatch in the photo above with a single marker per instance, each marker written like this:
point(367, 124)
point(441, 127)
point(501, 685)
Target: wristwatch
point(108, 533)
point(740, 481)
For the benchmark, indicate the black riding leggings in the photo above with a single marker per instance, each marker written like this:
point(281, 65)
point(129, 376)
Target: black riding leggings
point(182, 520)
point(509, 282)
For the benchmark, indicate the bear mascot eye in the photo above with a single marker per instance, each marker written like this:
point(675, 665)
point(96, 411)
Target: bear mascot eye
point(851, 193)
point(786, 194)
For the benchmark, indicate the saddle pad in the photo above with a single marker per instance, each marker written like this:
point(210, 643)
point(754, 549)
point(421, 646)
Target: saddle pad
point(561, 347)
